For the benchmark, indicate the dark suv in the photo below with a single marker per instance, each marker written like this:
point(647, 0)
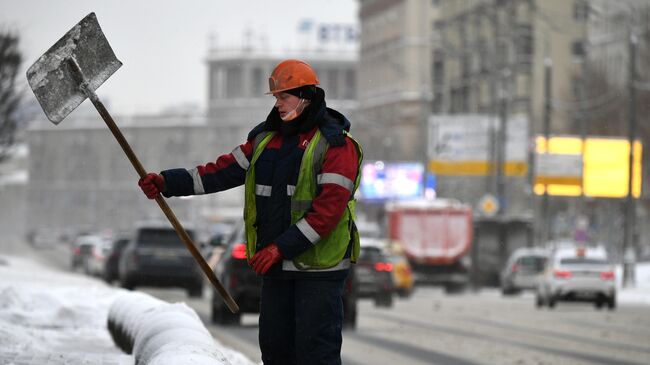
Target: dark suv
point(373, 274)
point(156, 256)
point(244, 285)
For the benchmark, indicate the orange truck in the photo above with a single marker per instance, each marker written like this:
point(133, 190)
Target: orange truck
point(436, 237)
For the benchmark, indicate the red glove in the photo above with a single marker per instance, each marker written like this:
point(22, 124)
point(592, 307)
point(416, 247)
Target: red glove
point(265, 258)
point(152, 185)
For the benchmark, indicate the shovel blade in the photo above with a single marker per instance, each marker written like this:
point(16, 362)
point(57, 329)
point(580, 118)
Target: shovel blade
point(51, 78)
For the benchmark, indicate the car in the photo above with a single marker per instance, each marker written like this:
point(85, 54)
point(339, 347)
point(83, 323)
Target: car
point(374, 272)
point(580, 273)
point(95, 261)
point(156, 256)
point(244, 284)
point(113, 258)
point(522, 269)
point(403, 279)
point(83, 248)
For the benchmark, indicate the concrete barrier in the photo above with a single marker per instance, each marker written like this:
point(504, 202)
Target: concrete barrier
point(159, 333)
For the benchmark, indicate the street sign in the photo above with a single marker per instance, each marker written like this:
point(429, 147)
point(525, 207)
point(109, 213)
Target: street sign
point(562, 169)
point(489, 205)
point(465, 144)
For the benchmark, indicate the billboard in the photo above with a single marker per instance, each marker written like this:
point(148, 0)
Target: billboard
point(465, 144)
point(391, 180)
point(599, 168)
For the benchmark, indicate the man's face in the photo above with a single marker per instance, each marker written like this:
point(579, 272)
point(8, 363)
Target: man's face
point(286, 103)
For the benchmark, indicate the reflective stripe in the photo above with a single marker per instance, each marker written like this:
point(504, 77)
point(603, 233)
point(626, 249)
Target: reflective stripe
point(338, 179)
point(300, 205)
point(240, 157)
point(263, 190)
point(196, 180)
point(288, 265)
point(306, 230)
point(291, 189)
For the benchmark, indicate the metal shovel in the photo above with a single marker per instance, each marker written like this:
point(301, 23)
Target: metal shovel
point(68, 73)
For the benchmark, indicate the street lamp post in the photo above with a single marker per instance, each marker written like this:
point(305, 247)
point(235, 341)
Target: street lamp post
point(548, 83)
point(630, 213)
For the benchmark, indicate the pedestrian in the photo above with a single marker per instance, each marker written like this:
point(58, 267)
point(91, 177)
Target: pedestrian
point(300, 169)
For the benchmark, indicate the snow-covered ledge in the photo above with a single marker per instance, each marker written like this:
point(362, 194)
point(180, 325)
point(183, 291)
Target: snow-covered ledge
point(159, 333)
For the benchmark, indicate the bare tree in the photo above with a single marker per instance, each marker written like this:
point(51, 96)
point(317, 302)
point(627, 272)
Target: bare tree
point(10, 97)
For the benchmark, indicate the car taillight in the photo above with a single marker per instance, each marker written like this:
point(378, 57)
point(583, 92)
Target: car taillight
point(562, 274)
point(607, 275)
point(383, 266)
point(239, 251)
point(515, 268)
point(77, 251)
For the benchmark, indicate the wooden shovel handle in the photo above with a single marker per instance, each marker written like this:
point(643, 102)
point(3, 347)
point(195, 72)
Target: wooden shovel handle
point(230, 302)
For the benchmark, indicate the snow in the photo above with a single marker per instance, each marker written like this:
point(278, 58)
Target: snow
point(55, 317)
point(640, 293)
point(156, 331)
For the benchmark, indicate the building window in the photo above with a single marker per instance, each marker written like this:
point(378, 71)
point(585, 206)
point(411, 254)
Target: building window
point(257, 83)
point(350, 85)
point(524, 39)
point(438, 71)
point(483, 57)
point(466, 63)
point(580, 10)
point(234, 82)
point(436, 106)
point(464, 99)
point(578, 49)
point(214, 82)
point(333, 84)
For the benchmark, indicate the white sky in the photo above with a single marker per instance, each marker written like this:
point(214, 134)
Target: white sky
point(163, 43)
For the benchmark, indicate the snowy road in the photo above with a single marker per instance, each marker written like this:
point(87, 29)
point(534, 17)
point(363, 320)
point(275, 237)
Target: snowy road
point(475, 328)
point(484, 328)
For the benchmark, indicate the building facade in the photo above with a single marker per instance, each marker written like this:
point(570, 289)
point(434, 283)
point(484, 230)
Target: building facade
point(394, 77)
point(489, 50)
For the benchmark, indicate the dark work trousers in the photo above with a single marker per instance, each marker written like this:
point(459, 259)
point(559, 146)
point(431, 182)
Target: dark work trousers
point(300, 321)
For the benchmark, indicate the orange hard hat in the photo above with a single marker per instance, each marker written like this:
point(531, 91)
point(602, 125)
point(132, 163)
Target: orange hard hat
point(291, 74)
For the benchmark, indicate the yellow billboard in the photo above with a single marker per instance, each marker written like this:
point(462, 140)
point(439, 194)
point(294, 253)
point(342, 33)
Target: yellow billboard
point(604, 167)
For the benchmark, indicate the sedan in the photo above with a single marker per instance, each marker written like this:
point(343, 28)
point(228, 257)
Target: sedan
point(579, 274)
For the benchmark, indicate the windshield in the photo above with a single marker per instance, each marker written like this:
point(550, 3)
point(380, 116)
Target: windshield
point(535, 263)
point(583, 261)
point(160, 237)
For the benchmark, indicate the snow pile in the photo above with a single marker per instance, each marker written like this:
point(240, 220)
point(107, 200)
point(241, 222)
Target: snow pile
point(52, 317)
point(46, 314)
point(159, 333)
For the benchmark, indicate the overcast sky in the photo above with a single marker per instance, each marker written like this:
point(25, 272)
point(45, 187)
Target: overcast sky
point(163, 43)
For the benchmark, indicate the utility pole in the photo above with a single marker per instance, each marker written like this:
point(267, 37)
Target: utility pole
point(581, 217)
point(501, 161)
point(630, 209)
point(502, 137)
point(548, 83)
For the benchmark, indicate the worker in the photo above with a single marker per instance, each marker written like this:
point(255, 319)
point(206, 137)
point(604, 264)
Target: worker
point(300, 168)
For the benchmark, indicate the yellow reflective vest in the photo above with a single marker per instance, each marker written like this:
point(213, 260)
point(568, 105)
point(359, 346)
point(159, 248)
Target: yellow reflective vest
point(329, 252)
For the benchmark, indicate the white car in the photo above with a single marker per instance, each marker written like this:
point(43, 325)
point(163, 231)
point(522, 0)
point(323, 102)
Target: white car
point(93, 250)
point(522, 270)
point(582, 274)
